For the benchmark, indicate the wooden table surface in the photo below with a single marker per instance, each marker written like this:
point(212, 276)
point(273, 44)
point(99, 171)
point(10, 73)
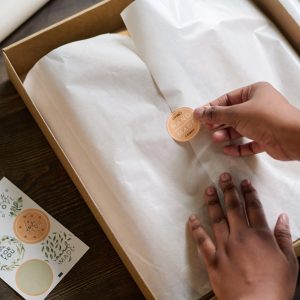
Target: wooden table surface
point(28, 161)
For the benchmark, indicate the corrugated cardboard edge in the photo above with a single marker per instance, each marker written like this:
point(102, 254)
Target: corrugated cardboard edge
point(283, 20)
point(21, 47)
point(56, 37)
point(98, 19)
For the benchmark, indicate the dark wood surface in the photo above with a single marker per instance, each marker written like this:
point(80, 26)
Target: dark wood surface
point(28, 161)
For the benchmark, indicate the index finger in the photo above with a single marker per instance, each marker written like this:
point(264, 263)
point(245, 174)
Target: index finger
point(232, 98)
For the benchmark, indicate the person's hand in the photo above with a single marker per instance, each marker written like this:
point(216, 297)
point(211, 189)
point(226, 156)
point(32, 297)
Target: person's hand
point(258, 112)
point(246, 261)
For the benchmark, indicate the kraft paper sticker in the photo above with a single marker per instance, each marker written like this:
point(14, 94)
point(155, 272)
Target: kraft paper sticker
point(181, 124)
point(31, 226)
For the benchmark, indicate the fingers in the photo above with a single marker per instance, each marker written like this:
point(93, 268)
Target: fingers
point(216, 215)
point(243, 150)
point(234, 97)
point(225, 134)
point(283, 236)
point(202, 240)
point(234, 208)
point(217, 115)
point(255, 212)
point(257, 219)
point(222, 110)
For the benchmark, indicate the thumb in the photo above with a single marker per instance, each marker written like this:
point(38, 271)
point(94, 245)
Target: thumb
point(283, 236)
point(217, 115)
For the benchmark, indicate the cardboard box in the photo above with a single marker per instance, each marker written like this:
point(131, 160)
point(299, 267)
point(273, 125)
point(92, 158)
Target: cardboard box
point(20, 58)
point(279, 12)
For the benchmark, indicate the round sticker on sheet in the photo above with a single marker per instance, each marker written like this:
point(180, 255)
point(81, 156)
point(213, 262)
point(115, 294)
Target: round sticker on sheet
point(34, 277)
point(181, 124)
point(11, 252)
point(31, 226)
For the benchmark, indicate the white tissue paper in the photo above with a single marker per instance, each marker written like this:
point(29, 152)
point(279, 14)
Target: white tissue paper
point(100, 101)
point(14, 12)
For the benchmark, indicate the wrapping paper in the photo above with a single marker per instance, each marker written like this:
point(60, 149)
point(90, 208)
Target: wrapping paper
point(199, 50)
point(99, 99)
point(110, 120)
point(11, 18)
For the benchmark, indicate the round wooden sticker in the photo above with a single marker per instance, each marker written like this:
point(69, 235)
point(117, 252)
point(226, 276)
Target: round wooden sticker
point(181, 124)
point(31, 226)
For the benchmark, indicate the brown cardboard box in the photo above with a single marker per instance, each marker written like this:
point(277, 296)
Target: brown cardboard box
point(284, 21)
point(98, 19)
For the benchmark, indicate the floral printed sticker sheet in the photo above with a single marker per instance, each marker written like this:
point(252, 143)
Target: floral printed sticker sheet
point(36, 251)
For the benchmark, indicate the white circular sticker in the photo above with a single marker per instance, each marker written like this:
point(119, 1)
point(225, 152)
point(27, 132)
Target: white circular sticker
point(34, 277)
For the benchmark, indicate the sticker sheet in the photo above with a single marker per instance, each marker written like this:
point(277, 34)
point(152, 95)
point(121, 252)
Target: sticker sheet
point(36, 251)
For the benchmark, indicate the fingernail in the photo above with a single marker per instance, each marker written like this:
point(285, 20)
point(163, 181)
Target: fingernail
point(284, 219)
point(225, 177)
point(210, 191)
point(198, 112)
point(192, 218)
point(246, 183)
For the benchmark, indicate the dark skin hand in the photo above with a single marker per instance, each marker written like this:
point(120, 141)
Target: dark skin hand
point(258, 112)
point(246, 260)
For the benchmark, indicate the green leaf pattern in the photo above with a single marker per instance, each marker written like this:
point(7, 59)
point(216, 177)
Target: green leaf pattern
point(8, 241)
point(57, 247)
point(16, 207)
